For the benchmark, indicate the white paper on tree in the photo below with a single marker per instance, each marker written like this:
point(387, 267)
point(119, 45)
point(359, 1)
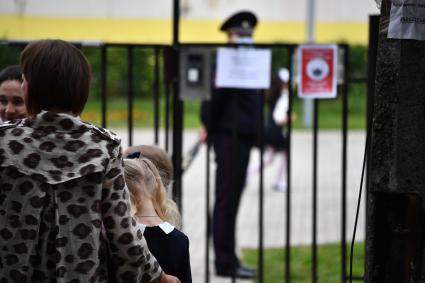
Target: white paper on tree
point(407, 19)
point(243, 67)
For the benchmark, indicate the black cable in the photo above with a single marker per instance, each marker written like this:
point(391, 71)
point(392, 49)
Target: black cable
point(368, 134)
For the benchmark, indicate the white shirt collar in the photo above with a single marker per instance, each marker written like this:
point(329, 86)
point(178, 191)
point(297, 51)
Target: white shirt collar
point(165, 226)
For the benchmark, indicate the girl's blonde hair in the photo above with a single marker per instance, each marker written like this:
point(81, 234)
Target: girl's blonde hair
point(159, 157)
point(144, 181)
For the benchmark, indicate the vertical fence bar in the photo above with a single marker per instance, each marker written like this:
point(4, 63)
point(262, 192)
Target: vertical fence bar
point(261, 198)
point(344, 167)
point(168, 74)
point(178, 111)
point(208, 201)
point(371, 69)
point(235, 156)
point(288, 172)
point(314, 210)
point(103, 85)
point(156, 95)
point(167, 116)
point(372, 55)
point(130, 93)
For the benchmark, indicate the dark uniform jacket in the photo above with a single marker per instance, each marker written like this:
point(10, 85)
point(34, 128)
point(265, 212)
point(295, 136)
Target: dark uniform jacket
point(61, 184)
point(233, 109)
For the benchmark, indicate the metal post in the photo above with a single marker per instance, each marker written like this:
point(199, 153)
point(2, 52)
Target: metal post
point(167, 116)
point(178, 111)
point(288, 172)
point(308, 103)
point(314, 215)
point(310, 20)
point(130, 94)
point(371, 68)
point(208, 201)
point(344, 168)
point(167, 73)
point(261, 199)
point(371, 74)
point(103, 85)
point(156, 95)
point(235, 155)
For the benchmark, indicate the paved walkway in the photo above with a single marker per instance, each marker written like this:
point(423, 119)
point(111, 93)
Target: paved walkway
point(329, 196)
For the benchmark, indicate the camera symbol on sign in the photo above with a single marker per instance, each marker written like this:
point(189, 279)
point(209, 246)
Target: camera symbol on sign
point(317, 69)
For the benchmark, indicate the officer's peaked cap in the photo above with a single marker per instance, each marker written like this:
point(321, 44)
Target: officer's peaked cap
point(241, 22)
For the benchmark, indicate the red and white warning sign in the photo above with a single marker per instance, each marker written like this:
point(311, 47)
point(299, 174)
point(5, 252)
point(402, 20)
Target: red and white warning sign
point(317, 71)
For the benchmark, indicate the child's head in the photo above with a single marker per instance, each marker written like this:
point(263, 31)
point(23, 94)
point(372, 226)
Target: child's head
point(279, 83)
point(159, 157)
point(144, 183)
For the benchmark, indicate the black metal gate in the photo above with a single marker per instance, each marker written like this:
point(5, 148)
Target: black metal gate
point(343, 90)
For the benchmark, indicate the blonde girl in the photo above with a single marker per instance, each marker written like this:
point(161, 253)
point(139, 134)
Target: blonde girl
point(158, 216)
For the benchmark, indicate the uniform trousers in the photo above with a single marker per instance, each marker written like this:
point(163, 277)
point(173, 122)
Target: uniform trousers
point(232, 161)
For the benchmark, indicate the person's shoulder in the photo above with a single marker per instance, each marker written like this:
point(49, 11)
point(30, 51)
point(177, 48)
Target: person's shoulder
point(180, 236)
point(105, 134)
point(9, 125)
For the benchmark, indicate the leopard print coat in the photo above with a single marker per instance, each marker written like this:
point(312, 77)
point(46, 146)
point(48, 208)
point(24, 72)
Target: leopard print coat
point(63, 201)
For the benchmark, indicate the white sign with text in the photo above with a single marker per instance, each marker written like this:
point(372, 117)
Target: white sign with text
point(243, 67)
point(407, 19)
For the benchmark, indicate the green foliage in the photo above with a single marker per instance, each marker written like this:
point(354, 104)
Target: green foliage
point(279, 59)
point(93, 56)
point(9, 55)
point(358, 61)
point(143, 75)
point(117, 71)
point(144, 64)
point(328, 268)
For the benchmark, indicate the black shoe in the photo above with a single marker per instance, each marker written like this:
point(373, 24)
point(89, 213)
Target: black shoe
point(248, 269)
point(240, 272)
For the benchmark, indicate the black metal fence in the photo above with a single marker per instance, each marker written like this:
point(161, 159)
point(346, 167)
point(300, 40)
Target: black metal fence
point(166, 76)
point(343, 91)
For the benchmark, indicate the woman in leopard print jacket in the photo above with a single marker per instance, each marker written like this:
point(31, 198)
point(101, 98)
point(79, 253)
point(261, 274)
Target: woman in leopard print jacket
point(63, 201)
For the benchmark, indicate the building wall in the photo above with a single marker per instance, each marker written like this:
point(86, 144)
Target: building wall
point(147, 21)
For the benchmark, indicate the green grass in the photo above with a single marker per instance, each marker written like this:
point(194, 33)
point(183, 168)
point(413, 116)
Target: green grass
point(330, 112)
point(328, 268)
point(143, 113)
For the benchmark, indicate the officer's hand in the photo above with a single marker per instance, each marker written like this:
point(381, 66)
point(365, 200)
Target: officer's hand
point(203, 135)
point(165, 278)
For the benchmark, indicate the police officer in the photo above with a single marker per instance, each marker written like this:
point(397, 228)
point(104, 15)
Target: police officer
point(232, 120)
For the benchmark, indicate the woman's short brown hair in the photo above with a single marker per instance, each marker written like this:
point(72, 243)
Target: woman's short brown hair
point(58, 76)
